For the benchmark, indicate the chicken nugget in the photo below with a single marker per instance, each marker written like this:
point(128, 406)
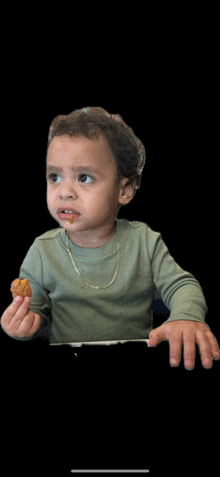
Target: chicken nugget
point(20, 287)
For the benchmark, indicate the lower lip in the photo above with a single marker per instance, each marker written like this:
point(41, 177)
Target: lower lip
point(64, 216)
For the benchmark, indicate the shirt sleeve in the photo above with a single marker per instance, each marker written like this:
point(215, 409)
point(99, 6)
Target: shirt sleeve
point(32, 269)
point(179, 290)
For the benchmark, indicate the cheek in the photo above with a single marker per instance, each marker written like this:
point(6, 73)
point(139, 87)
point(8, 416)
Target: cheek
point(50, 199)
point(106, 199)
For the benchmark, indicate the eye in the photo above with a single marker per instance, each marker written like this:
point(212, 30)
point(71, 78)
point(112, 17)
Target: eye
point(54, 177)
point(85, 178)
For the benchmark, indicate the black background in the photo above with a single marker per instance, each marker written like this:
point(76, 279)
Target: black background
point(124, 407)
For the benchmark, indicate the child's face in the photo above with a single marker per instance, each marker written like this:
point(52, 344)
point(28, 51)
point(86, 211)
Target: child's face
point(82, 179)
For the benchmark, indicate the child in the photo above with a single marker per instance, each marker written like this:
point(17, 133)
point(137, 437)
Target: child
point(94, 278)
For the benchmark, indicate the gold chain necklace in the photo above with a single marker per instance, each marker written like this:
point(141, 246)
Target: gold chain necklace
point(96, 287)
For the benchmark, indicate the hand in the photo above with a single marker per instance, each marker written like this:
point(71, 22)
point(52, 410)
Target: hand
point(18, 321)
point(187, 334)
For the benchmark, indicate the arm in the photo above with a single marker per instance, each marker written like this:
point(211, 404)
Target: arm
point(32, 269)
point(183, 295)
point(26, 319)
point(179, 290)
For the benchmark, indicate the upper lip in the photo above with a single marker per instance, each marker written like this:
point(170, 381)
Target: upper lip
point(66, 207)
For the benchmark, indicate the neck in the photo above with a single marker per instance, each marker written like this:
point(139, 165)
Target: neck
point(93, 238)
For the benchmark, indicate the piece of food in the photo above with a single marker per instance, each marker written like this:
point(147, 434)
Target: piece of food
point(71, 219)
point(20, 287)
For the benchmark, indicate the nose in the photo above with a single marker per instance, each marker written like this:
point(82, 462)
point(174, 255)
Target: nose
point(68, 192)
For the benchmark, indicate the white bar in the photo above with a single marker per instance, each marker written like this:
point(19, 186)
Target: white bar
point(107, 343)
point(109, 471)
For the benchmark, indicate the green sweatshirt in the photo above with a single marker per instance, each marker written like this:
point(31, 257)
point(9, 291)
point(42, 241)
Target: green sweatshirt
point(71, 311)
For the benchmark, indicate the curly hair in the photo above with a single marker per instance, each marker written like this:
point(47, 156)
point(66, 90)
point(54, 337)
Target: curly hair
point(91, 122)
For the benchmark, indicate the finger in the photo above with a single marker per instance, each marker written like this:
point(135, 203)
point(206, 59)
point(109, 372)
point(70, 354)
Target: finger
point(12, 309)
point(204, 349)
point(21, 311)
point(189, 352)
point(175, 348)
point(36, 324)
point(27, 325)
point(215, 352)
point(156, 336)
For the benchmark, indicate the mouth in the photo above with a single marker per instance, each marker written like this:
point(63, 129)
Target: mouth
point(67, 213)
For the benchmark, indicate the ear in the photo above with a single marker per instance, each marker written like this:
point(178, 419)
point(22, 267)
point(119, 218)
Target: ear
point(126, 191)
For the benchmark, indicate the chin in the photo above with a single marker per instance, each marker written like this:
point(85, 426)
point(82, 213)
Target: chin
point(71, 227)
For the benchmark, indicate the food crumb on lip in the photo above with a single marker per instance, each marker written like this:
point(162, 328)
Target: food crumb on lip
point(71, 219)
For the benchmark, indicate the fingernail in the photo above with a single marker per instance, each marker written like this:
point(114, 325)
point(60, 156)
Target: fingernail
point(151, 343)
point(27, 298)
point(18, 298)
point(173, 362)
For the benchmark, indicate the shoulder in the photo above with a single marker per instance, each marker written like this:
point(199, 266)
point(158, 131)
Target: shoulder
point(130, 225)
point(50, 235)
point(138, 228)
point(136, 225)
point(46, 246)
point(44, 239)
point(140, 233)
point(49, 241)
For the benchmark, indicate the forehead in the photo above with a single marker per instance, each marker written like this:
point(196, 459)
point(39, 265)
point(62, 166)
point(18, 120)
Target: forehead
point(68, 151)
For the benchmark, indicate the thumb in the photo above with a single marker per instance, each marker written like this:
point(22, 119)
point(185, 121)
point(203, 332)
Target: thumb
point(156, 336)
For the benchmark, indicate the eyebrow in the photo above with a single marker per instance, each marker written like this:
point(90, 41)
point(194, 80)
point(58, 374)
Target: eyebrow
point(74, 169)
